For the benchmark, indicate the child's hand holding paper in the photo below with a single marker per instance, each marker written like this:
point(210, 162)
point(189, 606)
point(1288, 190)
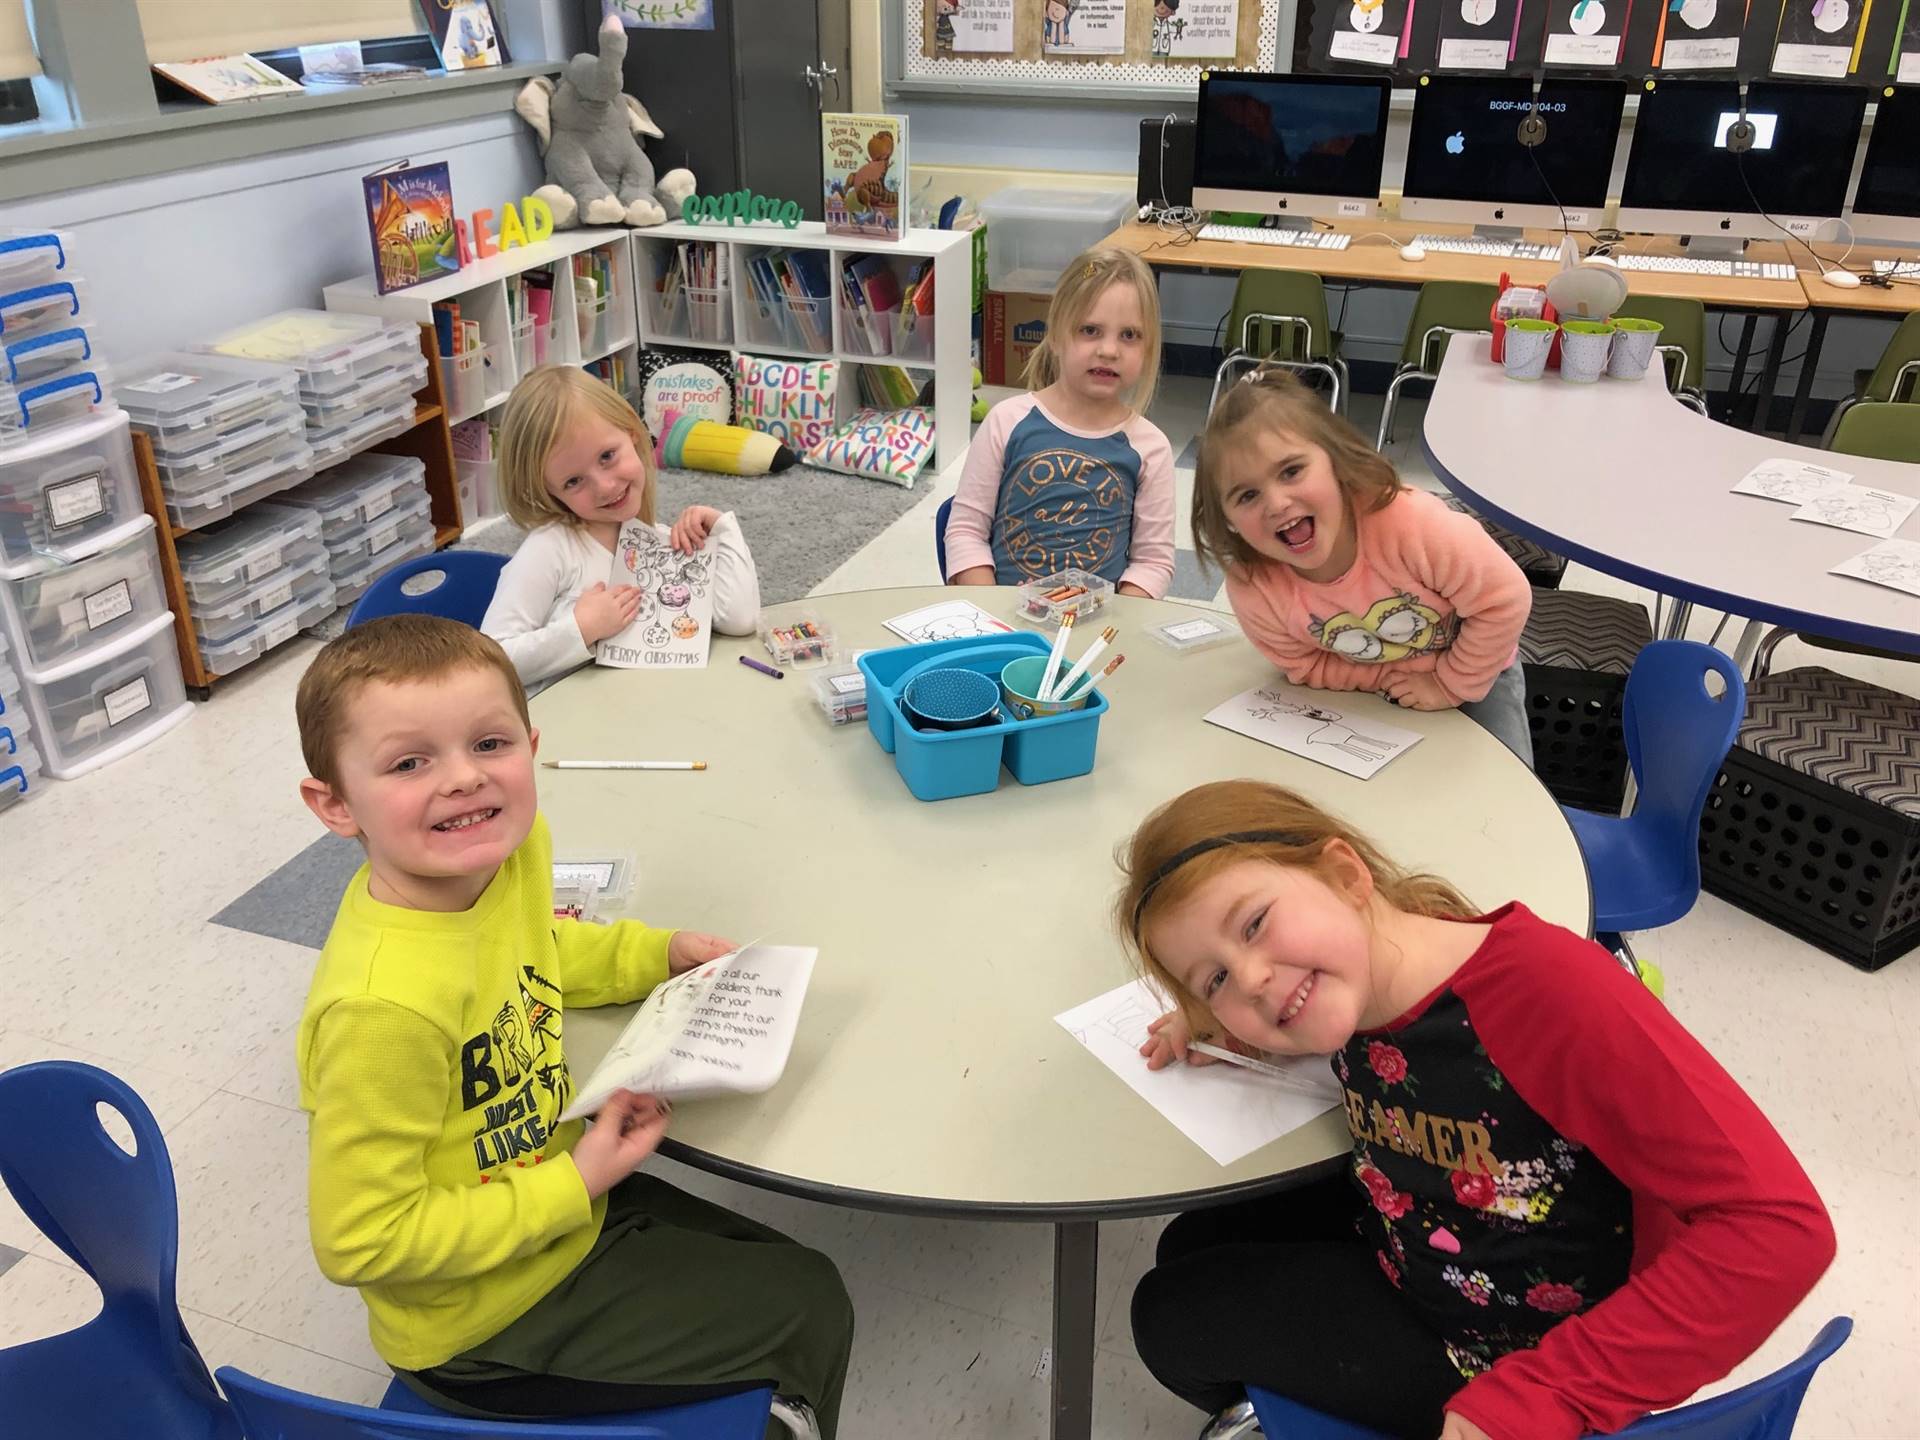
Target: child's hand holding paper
point(689, 948)
point(625, 1131)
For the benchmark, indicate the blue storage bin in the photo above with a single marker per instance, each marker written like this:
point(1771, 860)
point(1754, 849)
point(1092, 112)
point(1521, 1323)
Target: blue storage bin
point(940, 765)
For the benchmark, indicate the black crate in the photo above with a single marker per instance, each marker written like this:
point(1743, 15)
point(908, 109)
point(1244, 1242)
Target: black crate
point(1840, 872)
point(1579, 746)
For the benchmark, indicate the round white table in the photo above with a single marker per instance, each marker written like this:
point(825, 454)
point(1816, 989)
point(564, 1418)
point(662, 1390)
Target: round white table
point(928, 1076)
point(1622, 477)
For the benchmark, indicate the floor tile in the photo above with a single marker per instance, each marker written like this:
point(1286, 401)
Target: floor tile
point(9, 1257)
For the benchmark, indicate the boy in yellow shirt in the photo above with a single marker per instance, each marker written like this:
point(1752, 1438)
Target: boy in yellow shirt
point(511, 1265)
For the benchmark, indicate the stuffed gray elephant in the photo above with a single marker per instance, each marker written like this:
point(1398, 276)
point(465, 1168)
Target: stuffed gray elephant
point(589, 131)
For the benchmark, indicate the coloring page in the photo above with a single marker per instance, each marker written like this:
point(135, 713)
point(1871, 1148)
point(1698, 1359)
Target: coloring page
point(675, 623)
point(1815, 38)
point(1893, 563)
point(1306, 723)
point(1792, 482)
point(948, 620)
point(1367, 32)
point(1227, 1110)
point(1477, 34)
point(1859, 507)
point(1700, 35)
point(1585, 32)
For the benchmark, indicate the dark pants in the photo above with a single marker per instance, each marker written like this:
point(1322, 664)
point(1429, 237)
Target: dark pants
point(678, 1300)
point(1281, 1293)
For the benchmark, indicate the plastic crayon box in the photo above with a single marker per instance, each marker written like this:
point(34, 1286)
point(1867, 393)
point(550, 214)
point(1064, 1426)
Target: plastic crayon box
point(1051, 599)
point(804, 640)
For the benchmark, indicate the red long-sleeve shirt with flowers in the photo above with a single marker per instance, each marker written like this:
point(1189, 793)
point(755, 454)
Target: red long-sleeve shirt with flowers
point(1563, 1183)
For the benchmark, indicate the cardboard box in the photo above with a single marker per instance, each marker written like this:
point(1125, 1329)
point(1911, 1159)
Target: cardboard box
point(1015, 324)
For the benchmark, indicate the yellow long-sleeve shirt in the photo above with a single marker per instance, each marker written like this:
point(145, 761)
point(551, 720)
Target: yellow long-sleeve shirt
point(430, 1061)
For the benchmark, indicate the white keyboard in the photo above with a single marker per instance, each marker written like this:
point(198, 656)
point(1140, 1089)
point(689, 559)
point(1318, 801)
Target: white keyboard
point(1688, 265)
point(1897, 267)
point(1259, 235)
point(1506, 249)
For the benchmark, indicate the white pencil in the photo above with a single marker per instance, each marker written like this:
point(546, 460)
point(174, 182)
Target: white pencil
point(1065, 687)
point(625, 764)
point(1053, 660)
point(1094, 684)
point(1232, 1057)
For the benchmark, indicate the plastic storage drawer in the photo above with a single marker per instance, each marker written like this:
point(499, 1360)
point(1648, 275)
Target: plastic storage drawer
point(332, 445)
point(269, 631)
point(36, 309)
point(62, 494)
point(184, 399)
point(358, 493)
point(32, 257)
point(351, 583)
point(218, 564)
point(413, 511)
point(332, 351)
point(41, 357)
point(33, 409)
point(377, 391)
point(61, 610)
point(1032, 234)
point(19, 769)
point(217, 624)
point(94, 709)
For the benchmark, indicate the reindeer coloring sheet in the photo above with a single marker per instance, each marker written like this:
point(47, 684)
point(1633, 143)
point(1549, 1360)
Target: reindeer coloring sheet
point(1304, 723)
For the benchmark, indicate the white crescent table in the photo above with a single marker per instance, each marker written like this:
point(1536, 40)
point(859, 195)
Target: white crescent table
point(1622, 477)
point(928, 1076)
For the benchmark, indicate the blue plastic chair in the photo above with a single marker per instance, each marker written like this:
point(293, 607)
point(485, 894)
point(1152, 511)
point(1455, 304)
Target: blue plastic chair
point(132, 1372)
point(464, 592)
point(1645, 867)
point(940, 535)
point(272, 1412)
point(1764, 1410)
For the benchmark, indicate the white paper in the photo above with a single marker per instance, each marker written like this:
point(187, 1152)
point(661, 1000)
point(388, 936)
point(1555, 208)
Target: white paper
point(1473, 54)
point(334, 58)
point(1191, 629)
point(1570, 49)
point(1893, 563)
point(675, 625)
point(1909, 68)
point(1227, 1110)
point(1823, 62)
point(1861, 508)
point(981, 25)
point(1083, 27)
point(1201, 29)
point(1306, 723)
point(1364, 49)
point(947, 620)
point(724, 1028)
point(1722, 54)
point(1792, 482)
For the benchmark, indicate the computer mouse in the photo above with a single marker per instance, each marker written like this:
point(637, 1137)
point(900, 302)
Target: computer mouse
point(1842, 279)
point(1413, 253)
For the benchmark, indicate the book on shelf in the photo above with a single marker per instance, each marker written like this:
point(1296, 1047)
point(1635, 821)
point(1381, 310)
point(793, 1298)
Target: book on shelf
point(864, 160)
point(410, 222)
point(465, 36)
point(221, 79)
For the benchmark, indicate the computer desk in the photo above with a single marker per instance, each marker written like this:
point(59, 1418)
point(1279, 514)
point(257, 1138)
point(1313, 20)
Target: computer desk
point(1373, 258)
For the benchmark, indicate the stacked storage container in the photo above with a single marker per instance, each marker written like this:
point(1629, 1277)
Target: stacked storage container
point(225, 432)
point(19, 761)
point(253, 582)
point(374, 512)
point(93, 672)
point(357, 373)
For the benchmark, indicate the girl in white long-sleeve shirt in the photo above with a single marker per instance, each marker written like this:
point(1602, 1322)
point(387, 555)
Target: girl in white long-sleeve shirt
point(575, 463)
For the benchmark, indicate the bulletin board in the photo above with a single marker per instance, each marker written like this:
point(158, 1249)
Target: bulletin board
point(1029, 62)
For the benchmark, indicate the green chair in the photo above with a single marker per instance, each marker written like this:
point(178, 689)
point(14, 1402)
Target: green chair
point(1444, 309)
point(1883, 431)
point(1895, 380)
point(1279, 317)
point(1683, 343)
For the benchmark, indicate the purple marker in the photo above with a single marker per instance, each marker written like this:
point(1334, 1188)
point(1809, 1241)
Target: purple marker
point(748, 660)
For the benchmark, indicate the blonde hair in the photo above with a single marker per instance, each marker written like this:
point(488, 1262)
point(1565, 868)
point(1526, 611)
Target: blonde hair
point(395, 649)
point(1081, 284)
point(544, 406)
point(1276, 399)
point(1222, 824)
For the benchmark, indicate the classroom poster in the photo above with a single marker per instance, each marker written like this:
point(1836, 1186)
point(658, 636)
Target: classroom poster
point(1370, 32)
point(1196, 29)
point(1817, 38)
point(1587, 33)
point(660, 14)
point(1477, 34)
point(1700, 34)
point(973, 26)
point(1083, 27)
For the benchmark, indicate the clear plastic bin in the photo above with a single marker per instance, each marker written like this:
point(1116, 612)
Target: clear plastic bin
point(180, 398)
point(32, 257)
point(523, 346)
point(62, 493)
point(841, 695)
point(36, 309)
point(359, 492)
point(913, 338)
point(666, 314)
point(1202, 632)
point(375, 536)
point(19, 769)
point(1032, 234)
point(469, 382)
point(252, 641)
point(800, 640)
point(332, 446)
point(275, 470)
point(217, 624)
point(34, 408)
point(415, 539)
point(868, 332)
point(95, 708)
point(332, 350)
point(219, 563)
point(1052, 598)
point(709, 316)
point(41, 357)
point(593, 317)
point(766, 323)
point(379, 389)
point(811, 323)
point(478, 482)
point(61, 610)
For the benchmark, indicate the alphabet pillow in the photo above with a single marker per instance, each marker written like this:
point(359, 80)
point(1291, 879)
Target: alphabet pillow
point(888, 445)
point(791, 400)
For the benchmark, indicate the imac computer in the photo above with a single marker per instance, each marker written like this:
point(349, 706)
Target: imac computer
point(1305, 146)
point(1886, 207)
point(1683, 178)
point(1465, 162)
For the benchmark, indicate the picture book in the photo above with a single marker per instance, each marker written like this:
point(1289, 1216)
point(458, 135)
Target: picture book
point(722, 1028)
point(675, 625)
point(464, 34)
point(410, 221)
point(221, 78)
point(864, 160)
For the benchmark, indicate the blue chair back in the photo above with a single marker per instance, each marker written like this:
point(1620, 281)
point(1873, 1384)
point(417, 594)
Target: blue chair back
point(1764, 1410)
point(133, 1370)
point(465, 588)
point(1678, 736)
point(940, 534)
point(271, 1412)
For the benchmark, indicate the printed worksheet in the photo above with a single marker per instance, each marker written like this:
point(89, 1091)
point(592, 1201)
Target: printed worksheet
point(947, 620)
point(1227, 1110)
point(1892, 563)
point(1861, 508)
point(1304, 723)
point(1791, 482)
point(675, 625)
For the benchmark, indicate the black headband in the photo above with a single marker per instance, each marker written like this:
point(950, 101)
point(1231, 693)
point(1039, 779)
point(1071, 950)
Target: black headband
point(1242, 837)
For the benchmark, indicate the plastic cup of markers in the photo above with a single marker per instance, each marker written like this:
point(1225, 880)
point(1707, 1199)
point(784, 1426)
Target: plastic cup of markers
point(1528, 343)
point(1634, 341)
point(1020, 683)
point(1584, 346)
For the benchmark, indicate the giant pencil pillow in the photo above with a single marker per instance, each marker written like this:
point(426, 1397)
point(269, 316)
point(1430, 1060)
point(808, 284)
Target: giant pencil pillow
point(791, 400)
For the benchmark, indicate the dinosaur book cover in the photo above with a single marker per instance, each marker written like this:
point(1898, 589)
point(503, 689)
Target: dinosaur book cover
point(410, 220)
point(864, 160)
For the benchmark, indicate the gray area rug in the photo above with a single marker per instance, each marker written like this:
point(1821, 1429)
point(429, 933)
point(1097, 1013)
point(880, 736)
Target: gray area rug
point(296, 902)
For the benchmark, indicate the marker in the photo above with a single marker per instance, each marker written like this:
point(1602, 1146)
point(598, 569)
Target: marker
point(754, 664)
point(1232, 1057)
point(625, 764)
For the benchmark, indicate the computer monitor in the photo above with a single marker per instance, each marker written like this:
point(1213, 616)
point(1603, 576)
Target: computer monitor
point(1294, 145)
point(1887, 204)
point(1682, 179)
point(1465, 161)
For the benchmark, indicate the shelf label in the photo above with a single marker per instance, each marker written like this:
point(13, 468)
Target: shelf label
point(126, 702)
point(108, 605)
point(73, 501)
